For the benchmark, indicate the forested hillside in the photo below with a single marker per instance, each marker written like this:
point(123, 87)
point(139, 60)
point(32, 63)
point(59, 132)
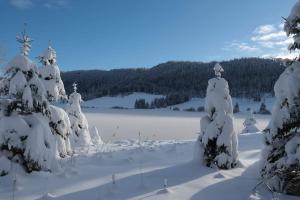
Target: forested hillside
point(247, 77)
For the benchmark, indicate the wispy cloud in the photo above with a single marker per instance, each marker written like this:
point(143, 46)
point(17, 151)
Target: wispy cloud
point(26, 4)
point(241, 46)
point(21, 4)
point(56, 4)
point(265, 29)
point(269, 36)
point(266, 41)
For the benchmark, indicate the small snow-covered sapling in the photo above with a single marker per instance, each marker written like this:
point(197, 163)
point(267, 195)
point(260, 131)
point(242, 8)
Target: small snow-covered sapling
point(165, 183)
point(113, 177)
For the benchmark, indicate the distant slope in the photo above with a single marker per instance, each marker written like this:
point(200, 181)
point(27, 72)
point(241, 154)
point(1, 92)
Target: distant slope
point(119, 101)
point(247, 77)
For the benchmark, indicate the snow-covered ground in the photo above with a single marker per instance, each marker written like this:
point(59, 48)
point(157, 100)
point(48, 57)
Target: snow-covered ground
point(162, 124)
point(143, 149)
point(140, 168)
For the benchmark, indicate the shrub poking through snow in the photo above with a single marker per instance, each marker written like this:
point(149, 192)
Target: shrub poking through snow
point(249, 123)
point(263, 109)
point(50, 75)
point(281, 156)
point(79, 125)
point(217, 142)
point(236, 108)
point(25, 135)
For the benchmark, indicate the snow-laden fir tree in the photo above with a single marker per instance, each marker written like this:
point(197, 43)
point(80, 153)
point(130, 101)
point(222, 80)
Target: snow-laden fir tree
point(79, 124)
point(249, 123)
point(25, 135)
point(281, 155)
point(236, 108)
point(217, 142)
point(55, 91)
point(50, 74)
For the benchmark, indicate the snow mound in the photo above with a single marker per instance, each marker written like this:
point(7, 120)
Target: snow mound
point(95, 136)
point(4, 165)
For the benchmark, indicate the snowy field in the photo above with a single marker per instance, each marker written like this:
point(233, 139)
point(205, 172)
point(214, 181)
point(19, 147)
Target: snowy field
point(162, 124)
point(142, 163)
point(115, 125)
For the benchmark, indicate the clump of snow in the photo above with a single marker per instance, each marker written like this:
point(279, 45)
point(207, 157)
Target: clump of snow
point(95, 136)
point(17, 83)
point(27, 98)
point(20, 62)
point(4, 165)
point(217, 138)
point(61, 126)
point(30, 137)
point(249, 123)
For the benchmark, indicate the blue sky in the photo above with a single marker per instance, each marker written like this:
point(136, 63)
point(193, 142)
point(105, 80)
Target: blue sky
point(106, 34)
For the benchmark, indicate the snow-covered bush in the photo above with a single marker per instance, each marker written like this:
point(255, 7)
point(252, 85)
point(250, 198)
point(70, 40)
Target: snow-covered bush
point(281, 156)
point(263, 109)
point(217, 142)
point(79, 124)
point(236, 108)
point(50, 74)
point(249, 123)
point(25, 134)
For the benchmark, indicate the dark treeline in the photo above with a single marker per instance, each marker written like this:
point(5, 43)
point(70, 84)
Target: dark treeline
point(247, 77)
point(163, 102)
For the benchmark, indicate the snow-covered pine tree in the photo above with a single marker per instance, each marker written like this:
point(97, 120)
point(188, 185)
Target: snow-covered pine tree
point(217, 142)
point(79, 124)
point(263, 109)
point(25, 135)
point(281, 155)
point(55, 91)
point(50, 74)
point(249, 123)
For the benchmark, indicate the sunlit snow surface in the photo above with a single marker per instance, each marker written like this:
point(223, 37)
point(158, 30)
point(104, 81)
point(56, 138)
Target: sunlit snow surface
point(143, 149)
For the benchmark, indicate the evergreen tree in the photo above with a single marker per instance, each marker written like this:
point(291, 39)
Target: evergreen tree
point(25, 135)
point(249, 123)
point(281, 161)
point(263, 109)
point(236, 108)
point(217, 142)
point(51, 76)
point(141, 104)
point(79, 124)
